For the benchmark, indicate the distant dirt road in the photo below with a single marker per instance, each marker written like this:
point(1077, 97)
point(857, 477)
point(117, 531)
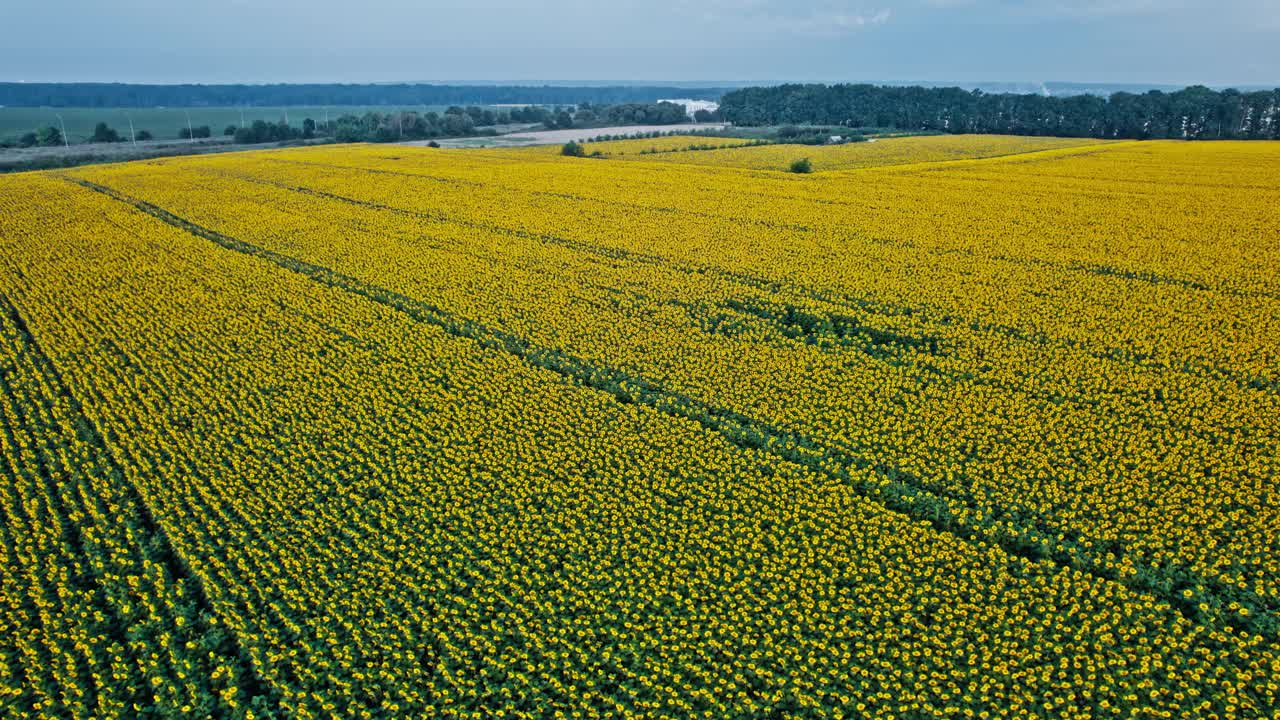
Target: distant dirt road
point(558, 137)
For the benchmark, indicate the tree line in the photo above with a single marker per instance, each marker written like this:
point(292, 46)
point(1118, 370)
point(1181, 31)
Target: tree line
point(472, 121)
point(376, 126)
point(127, 95)
point(1196, 112)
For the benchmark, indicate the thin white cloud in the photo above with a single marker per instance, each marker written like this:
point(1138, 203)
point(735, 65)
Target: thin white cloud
point(837, 23)
point(824, 19)
point(1219, 15)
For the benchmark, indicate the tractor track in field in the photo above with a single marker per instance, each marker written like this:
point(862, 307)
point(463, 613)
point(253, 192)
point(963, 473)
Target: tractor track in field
point(859, 304)
point(1033, 540)
point(157, 544)
point(1203, 370)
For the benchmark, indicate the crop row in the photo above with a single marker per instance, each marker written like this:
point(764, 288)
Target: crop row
point(1055, 474)
point(458, 500)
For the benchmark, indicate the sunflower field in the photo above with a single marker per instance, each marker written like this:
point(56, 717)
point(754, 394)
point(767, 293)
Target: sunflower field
point(953, 428)
point(876, 152)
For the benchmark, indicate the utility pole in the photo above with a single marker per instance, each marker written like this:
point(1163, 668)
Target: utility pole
point(65, 141)
point(133, 137)
point(191, 134)
point(241, 117)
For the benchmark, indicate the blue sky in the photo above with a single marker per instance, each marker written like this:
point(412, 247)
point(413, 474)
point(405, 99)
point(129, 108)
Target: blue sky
point(1141, 41)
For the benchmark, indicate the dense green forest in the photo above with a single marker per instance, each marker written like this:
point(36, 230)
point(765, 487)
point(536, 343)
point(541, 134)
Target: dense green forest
point(1193, 113)
point(125, 95)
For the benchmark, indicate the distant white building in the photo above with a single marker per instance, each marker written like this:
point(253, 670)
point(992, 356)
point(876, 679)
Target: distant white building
point(693, 106)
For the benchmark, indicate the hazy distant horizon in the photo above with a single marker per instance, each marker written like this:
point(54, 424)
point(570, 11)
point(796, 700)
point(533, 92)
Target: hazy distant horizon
point(1012, 85)
point(1145, 42)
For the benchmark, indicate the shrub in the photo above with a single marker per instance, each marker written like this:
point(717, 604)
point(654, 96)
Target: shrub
point(49, 136)
point(802, 166)
point(102, 133)
point(573, 149)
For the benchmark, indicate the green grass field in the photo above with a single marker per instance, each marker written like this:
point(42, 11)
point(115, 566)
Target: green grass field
point(164, 123)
